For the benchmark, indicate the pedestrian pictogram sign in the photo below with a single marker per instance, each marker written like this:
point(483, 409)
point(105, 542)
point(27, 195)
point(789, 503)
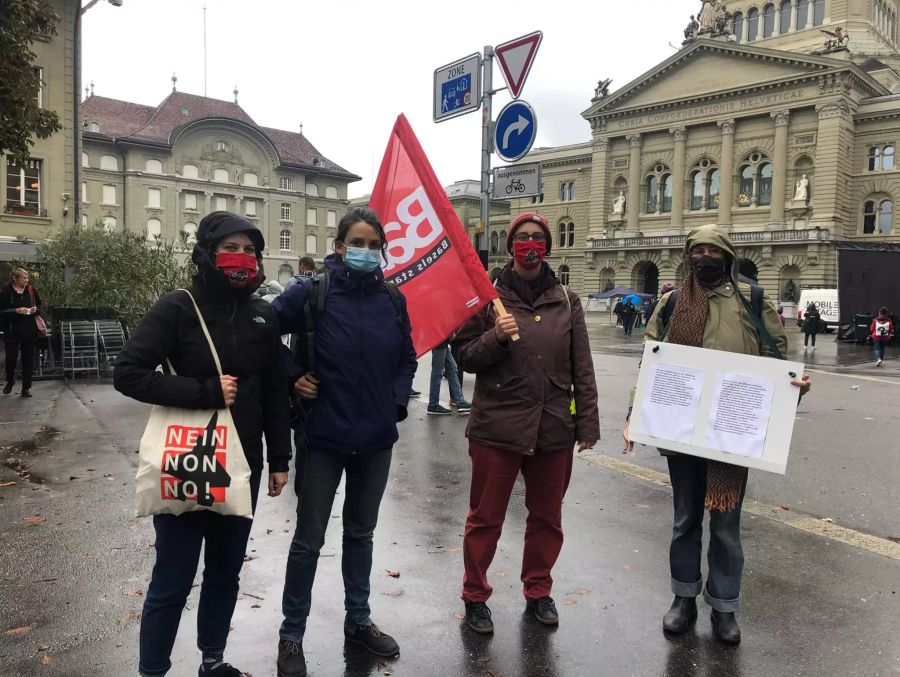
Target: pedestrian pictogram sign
point(516, 57)
point(457, 88)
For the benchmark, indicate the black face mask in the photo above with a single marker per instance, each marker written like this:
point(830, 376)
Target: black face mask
point(709, 270)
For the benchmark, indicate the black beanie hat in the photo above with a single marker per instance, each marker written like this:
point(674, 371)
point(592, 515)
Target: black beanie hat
point(217, 225)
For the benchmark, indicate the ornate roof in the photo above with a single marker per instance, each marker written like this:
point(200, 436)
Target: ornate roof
point(124, 121)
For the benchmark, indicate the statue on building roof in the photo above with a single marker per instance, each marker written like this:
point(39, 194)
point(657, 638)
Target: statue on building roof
point(838, 39)
point(602, 89)
point(722, 19)
point(692, 29)
point(619, 203)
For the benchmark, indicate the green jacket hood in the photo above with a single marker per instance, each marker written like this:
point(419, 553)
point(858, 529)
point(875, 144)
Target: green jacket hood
point(713, 235)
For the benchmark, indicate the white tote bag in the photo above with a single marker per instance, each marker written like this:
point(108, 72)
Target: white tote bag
point(192, 459)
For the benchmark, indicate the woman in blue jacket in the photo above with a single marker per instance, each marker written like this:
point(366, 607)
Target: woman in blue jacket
point(355, 396)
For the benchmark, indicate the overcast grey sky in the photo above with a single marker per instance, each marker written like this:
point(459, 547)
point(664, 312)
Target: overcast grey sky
point(347, 68)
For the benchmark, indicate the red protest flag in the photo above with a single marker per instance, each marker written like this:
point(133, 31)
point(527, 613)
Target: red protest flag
point(430, 255)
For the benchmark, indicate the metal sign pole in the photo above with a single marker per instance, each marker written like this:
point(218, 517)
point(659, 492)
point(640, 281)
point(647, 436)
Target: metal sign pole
point(486, 142)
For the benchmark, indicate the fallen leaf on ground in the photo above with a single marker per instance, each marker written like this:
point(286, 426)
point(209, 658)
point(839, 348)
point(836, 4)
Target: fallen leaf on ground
point(35, 519)
point(395, 594)
point(46, 660)
point(580, 591)
point(569, 602)
point(454, 549)
point(132, 616)
point(15, 632)
point(8, 484)
point(392, 573)
point(784, 507)
point(134, 593)
point(254, 606)
point(268, 531)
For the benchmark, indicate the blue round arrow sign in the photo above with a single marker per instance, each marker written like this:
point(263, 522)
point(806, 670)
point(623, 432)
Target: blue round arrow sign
point(515, 130)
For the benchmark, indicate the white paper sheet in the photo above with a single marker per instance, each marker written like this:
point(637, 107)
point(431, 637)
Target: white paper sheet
point(670, 407)
point(739, 415)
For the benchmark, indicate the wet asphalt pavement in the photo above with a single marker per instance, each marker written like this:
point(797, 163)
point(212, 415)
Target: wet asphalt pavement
point(74, 563)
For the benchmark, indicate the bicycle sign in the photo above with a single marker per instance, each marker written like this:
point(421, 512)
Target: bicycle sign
point(517, 181)
point(457, 88)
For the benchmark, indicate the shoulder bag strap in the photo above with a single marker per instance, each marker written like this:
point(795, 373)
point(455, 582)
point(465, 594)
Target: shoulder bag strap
point(205, 329)
point(761, 330)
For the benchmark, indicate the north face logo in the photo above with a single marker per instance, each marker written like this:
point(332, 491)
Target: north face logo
point(259, 320)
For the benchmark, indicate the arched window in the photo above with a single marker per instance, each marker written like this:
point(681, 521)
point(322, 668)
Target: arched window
point(220, 175)
point(738, 22)
point(659, 190)
point(667, 184)
point(84, 160)
point(495, 242)
point(802, 13)
point(874, 159)
point(222, 146)
point(878, 216)
point(698, 181)
point(745, 197)
point(563, 275)
point(768, 21)
point(153, 167)
point(503, 239)
point(284, 240)
point(652, 194)
point(109, 223)
point(886, 219)
point(818, 11)
point(312, 244)
point(752, 25)
point(570, 234)
point(312, 190)
point(331, 192)
point(109, 163)
point(786, 17)
point(154, 229)
point(764, 184)
point(285, 273)
point(748, 269)
point(190, 232)
point(250, 179)
point(190, 172)
point(887, 157)
point(94, 127)
point(705, 185)
point(713, 186)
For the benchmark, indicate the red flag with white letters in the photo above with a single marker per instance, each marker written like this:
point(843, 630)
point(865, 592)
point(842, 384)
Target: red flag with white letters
point(430, 256)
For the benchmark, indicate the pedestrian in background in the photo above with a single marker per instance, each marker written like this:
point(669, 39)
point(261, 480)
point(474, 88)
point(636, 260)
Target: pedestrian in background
point(781, 316)
point(882, 329)
point(617, 311)
point(810, 325)
point(522, 419)
point(628, 316)
point(19, 310)
point(442, 362)
point(355, 395)
point(243, 329)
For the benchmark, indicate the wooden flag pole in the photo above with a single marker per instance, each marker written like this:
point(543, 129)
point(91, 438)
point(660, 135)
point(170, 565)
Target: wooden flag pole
point(501, 311)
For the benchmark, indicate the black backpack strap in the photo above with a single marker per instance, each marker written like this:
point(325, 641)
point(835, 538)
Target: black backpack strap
point(754, 309)
point(314, 306)
point(667, 311)
point(397, 299)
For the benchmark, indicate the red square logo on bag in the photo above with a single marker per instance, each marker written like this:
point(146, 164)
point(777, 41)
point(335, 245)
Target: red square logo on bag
point(194, 464)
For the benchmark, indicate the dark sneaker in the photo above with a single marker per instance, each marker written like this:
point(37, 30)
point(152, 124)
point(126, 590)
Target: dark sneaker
point(414, 393)
point(462, 407)
point(221, 670)
point(438, 410)
point(26, 393)
point(291, 662)
point(7, 389)
point(371, 637)
point(478, 617)
point(681, 615)
point(544, 610)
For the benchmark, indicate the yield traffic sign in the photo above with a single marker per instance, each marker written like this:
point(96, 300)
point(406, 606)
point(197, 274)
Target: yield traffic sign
point(516, 57)
point(515, 130)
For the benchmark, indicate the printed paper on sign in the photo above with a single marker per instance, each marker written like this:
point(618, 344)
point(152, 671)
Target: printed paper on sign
point(430, 256)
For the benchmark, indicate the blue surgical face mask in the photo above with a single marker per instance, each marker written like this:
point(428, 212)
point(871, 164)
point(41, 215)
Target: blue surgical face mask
point(362, 258)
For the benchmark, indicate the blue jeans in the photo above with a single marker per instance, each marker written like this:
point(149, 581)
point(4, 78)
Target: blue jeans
point(178, 542)
point(725, 554)
point(441, 361)
point(366, 479)
point(879, 349)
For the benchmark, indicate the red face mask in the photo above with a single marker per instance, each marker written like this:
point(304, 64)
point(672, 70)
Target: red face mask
point(239, 268)
point(529, 254)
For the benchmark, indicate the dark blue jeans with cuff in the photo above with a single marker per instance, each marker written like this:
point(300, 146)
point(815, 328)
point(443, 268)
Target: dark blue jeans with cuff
point(178, 542)
point(725, 555)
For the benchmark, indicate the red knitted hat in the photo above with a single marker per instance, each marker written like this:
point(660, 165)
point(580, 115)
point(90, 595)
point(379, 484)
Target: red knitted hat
point(528, 217)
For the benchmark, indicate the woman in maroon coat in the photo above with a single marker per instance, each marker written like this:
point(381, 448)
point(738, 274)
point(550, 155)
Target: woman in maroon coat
point(522, 418)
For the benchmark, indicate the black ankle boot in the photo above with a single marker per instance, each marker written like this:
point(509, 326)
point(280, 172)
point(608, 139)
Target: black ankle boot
point(291, 662)
point(680, 616)
point(7, 389)
point(725, 627)
point(372, 638)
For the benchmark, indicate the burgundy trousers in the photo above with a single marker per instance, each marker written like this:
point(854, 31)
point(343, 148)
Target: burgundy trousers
point(494, 473)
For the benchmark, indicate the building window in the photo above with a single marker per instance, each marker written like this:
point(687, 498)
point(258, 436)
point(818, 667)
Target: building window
point(752, 25)
point(495, 243)
point(221, 176)
point(331, 192)
point(878, 217)
point(154, 229)
point(109, 223)
point(329, 244)
point(153, 167)
point(738, 23)
point(84, 221)
point(659, 190)
point(250, 207)
point(84, 192)
point(874, 159)
point(250, 179)
point(190, 172)
point(564, 275)
point(567, 191)
point(222, 146)
point(85, 160)
point(109, 196)
point(802, 13)
point(566, 234)
point(312, 190)
point(221, 203)
point(285, 273)
point(190, 232)
point(93, 127)
point(887, 157)
point(285, 211)
point(768, 21)
point(286, 183)
point(284, 240)
point(537, 199)
point(311, 217)
point(881, 157)
point(331, 217)
point(154, 198)
point(39, 87)
point(818, 11)
point(190, 202)
point(312, 244)
point(705, 185)
point(786, 9)
point(109, 162)
point(755, 181)
point(23, 187)
point(764, 183)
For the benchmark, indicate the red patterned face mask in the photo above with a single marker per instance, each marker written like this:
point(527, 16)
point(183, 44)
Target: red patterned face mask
point(529, 254)
point(239, 269)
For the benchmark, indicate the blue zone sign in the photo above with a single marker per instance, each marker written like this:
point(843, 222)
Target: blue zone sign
point(515, 131)
point(457, 88)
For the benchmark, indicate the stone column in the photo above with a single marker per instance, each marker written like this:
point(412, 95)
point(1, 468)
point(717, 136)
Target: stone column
point(726, 173)
point(794, 15)
point(777, 29)
point(680, 134)
point(633, 207)
point(599, 188)
point(779, 166)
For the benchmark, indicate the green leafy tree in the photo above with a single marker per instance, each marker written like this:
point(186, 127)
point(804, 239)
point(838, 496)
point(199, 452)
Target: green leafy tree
point(121, 271)
point(21, 119)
